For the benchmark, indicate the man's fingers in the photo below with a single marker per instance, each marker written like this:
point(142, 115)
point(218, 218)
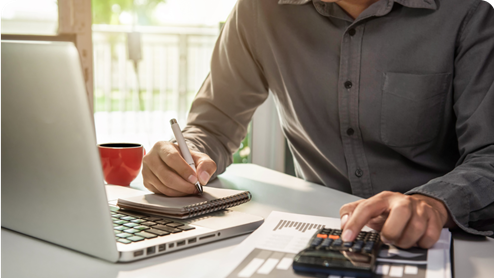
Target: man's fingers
point(416, 227)
point(170, 155)
point(363, 213)
point(346, 211)
point(154, 184)
point(205, 166)
point(173, 181)
point(432, 232)
point(149, 179)
point(401, 210)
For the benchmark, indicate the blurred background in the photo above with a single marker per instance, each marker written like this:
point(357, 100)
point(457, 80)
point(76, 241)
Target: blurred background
point(150, 57)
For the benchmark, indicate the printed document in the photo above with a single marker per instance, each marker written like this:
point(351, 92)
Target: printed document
point(269, 251)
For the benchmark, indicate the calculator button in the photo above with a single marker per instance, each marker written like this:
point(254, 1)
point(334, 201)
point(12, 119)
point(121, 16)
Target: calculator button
point(348, 244)
point(333, 236)
point(327, 242)
point(128, 218)
point(322, 235)
point(316, 242)
point(337, 242)
point(357, 248)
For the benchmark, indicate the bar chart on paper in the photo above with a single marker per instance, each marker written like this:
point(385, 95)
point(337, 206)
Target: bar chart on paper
point(269, 251)
point(299, 226)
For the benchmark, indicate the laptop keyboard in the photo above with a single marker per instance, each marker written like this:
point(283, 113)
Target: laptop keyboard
point(133, 227)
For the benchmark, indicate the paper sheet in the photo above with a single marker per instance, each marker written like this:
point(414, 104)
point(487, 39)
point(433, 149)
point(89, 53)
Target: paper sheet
point(269, 251)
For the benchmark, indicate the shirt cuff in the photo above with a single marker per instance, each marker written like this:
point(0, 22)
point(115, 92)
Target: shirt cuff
point(456, 201)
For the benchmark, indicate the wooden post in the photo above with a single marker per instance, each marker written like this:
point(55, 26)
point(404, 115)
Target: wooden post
point(74, 17)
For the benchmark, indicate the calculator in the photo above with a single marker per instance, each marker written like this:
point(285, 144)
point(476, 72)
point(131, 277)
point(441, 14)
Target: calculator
point(326, 254)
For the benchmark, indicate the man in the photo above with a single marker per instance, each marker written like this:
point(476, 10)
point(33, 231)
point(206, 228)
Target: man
point(390, 100)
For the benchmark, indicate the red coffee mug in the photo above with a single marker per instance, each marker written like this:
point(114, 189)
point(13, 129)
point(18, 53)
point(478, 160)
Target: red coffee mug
point(121, 162)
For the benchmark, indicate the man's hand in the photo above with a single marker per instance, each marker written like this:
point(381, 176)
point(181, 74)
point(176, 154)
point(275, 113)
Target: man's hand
point(404, 220)
point(165, 171)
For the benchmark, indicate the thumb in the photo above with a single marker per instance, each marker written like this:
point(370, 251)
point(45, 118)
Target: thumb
point(205, 166)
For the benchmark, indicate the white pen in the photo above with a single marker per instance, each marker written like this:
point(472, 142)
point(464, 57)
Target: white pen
point(184, 149)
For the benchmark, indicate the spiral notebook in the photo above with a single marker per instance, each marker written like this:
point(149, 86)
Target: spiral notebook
point(212, 199)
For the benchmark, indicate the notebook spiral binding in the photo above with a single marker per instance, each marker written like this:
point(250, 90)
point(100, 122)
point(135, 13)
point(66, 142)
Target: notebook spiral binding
point(218, 204)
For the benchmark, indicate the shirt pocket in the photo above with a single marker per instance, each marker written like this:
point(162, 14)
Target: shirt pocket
point(412, 107)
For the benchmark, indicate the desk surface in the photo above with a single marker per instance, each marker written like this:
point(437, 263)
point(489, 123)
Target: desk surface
point(23, 256)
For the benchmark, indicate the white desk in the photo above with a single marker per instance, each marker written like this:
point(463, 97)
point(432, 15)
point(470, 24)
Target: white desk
point(23, 256)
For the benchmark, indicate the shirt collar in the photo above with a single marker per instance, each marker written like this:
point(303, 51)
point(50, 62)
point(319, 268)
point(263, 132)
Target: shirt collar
point(420, 4)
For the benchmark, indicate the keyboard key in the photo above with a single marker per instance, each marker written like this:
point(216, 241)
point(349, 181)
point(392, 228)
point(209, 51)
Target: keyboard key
point(138, 221)
point(131, 231)
point(141, 227)
point(145, 235)
point(167, 229)
point(117, 215)
point(174, 225)
point(120, 228)
point(127, 218)
point(134, 214)
point(164, 221)
point(131, 225)
point(124, 235)
point(186, 228)
point(158, 232)
point(135, 238)
point(120, 222)
point(123, 240)
point(148, 223)
point(152, 218)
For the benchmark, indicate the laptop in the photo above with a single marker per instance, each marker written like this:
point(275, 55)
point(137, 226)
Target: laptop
point(52, 180)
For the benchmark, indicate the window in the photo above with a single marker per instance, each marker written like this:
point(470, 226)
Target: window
point(30, 17)
point(150, 59)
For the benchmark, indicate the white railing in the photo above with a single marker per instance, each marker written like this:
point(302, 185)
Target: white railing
point(175, 62)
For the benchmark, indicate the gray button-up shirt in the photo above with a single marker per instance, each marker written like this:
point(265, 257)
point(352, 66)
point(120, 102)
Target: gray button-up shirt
point(400, 99)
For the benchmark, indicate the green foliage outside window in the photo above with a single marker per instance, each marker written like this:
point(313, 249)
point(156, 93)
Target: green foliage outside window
point(109, 11)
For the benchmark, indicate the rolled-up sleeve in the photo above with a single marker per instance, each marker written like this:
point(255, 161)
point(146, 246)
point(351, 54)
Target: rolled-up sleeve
point(223, 107)
point(468, 190)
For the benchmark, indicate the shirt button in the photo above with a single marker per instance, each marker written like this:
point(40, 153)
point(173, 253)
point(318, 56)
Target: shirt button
point(351, 32)
point(350, 131)
point(359, 172)
point(348, 84)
